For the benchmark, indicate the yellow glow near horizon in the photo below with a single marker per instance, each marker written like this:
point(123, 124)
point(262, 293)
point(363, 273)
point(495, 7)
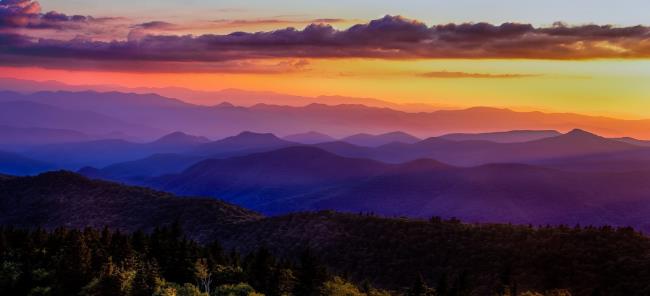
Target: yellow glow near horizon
point(618, 88)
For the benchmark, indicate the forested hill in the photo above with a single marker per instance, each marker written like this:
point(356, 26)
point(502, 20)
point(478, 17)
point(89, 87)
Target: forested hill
point(389, 253)
point(67, 199)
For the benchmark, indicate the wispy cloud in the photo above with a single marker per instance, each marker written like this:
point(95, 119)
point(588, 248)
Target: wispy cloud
point(154, 27)
point(277, 21)
point(449, 74)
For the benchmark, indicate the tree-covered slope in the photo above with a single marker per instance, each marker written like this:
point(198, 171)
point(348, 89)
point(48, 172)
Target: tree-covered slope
point(391, 253)
point(58, 199)
point(482, 259)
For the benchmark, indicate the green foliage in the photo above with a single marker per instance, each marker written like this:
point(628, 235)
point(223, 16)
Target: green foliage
point(228, 274)
point(162, 263)
point(95, 263)
point(473, 259)
point(241, 289)
point(190, 290)
point(483, 260)
point(560, 292)
point(10, 272)
point(420, 288)
point(311, 275)
point(338, 287)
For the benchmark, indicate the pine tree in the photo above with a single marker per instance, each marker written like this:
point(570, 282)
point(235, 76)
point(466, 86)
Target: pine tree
point(442, 288)
point(74, 266)
point(310, 275)
point(146, 277)
point(460, 286)
point(420, 288)
point(260, 270)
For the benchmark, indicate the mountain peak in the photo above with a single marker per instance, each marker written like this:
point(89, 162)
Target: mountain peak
point(581, 133)
point(181, 138)
point(225, 105)
point(61, 177)
point(370, 140)
point(310, 137)
point(512, 136)
point(395, 133)
point(313, 133)
point(487, 109)
point(249, 134)
point(243, 141)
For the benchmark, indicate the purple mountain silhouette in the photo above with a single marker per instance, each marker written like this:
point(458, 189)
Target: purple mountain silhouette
point(27, 114)
point(309, 138)
point(16, 164)
point(179, 141)
point(368, 140)
point(633, 141)
point(137, 170)
point(575, 151)
point(101, 153)
point(307, 178)
point(276, 173)
point(244, 142)
point(165, 114)
point(472, 153)
point(21, 137)
point(504, 137)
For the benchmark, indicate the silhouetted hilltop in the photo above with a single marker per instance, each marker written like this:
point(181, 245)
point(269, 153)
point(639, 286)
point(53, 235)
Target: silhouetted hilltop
point(389, 253)
point(504, 137)
point(368, 140)
point(244, 142)
point(62, 198)
point(179, 139)
point(307, 178)
point(309, 138)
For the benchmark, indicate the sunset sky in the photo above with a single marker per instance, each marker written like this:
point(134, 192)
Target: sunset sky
point(588, 57)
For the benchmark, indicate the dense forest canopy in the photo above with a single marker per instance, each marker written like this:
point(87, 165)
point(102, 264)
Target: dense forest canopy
point(164, 262)
point(122, 240)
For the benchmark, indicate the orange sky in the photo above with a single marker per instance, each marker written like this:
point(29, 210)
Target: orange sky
point(597, 69)
point(609, 87)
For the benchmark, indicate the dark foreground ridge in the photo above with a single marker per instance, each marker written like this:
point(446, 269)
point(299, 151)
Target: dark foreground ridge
point(389, 253)
point(57, 199)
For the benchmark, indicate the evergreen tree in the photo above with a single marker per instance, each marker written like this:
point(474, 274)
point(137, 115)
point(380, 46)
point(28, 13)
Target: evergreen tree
point(282, 282)
point(310, 275)
point(144, 282)
point(420, 288)
point(108, 283)
point(460, 286)
point(442, 287)
point(74, 266)
point(260, 270)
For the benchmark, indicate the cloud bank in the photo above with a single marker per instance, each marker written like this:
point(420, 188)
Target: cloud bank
point(391, 37)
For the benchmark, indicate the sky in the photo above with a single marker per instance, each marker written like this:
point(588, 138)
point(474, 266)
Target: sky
point(590, 57)
point(630, 12)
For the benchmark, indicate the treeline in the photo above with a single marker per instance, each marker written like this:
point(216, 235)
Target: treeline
point(164, 263)
point(93, 262)
point(454, 257)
